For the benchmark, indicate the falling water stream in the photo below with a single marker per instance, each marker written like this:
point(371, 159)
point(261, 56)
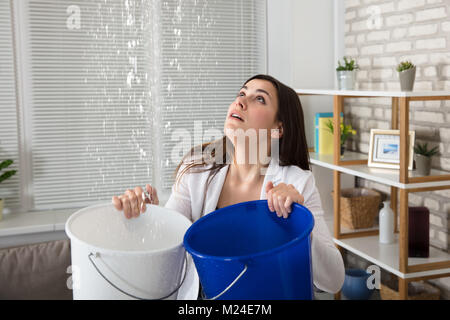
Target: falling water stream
point(120, 51)
point(162, 67)
point(152, 66)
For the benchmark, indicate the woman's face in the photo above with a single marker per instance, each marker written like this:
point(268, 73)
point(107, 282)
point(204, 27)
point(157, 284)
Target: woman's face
point(255, 107)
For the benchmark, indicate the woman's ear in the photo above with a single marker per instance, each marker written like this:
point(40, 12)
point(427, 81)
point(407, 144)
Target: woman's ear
point(278, 132)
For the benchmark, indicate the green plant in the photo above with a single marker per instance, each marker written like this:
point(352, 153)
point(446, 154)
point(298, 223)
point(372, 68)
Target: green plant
point(7, 174)
point(422, 149)
point(405, 65)
point(348, 65)
point(346, 130)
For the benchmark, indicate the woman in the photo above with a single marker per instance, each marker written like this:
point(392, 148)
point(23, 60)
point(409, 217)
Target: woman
point(207, 180)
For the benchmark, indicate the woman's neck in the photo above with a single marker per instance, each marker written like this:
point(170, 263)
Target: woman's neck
point(247, 165)
point(244, 172)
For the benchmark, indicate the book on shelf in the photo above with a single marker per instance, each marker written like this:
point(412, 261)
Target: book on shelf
point(323, 138)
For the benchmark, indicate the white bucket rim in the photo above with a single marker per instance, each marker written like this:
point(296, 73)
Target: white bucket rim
point(79, 212)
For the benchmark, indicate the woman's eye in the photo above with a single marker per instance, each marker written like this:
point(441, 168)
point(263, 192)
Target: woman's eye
point(260, 99)
point(241, 94)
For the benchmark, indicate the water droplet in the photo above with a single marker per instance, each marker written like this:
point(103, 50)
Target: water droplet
point(130, 77)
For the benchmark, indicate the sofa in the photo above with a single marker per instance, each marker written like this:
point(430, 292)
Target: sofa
point(36, 272)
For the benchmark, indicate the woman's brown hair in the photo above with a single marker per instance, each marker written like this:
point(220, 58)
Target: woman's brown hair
point(293, 148)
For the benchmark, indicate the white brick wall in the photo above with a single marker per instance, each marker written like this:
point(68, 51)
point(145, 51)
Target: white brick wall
point(416, 30)
point(422, 30)
point(438, 43)
point(400, 19)
point(431, 14)
point(399, 46)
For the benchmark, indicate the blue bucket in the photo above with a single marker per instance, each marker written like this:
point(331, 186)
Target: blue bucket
point(244, 251)
point(355, 285)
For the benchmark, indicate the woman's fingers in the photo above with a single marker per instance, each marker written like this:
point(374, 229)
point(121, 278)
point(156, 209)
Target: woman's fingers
point(301, 199)
point(288, 203)
point(281, 200)
point(281, 197)
point(126, 207)
point(117, 203)
point(269, 186)
point(139, 195)
point(270, 203)
point(276, 205)
point(269, 195)
point(153, 194)
point(133, 202)
point(148, 195)
point(273, 201)
point(282, 204)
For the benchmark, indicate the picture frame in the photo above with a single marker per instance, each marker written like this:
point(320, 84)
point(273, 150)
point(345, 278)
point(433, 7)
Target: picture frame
point(384, 149)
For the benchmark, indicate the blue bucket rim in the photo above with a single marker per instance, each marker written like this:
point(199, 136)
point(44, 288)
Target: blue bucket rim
point(356, 273)
point(307, 230)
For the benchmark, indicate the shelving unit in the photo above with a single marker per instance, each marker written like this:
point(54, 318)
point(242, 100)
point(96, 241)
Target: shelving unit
point(393, 258)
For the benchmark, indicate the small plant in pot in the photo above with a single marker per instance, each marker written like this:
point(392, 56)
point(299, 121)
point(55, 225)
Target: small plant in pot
point(346, 131)
point(423, 157)
point(407, 74)
point(4, 176)
point(346, 74)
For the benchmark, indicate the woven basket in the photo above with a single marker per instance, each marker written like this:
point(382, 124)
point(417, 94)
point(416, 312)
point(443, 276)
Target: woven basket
point(359, 207)
point(416, 291)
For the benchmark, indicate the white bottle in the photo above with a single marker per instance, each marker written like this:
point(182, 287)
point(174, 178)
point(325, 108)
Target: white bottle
point(386, 220)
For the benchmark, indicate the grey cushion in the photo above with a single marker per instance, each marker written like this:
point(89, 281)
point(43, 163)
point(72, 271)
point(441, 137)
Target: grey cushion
point(37, 271)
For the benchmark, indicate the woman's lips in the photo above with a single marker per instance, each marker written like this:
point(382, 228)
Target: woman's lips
point(236, 116)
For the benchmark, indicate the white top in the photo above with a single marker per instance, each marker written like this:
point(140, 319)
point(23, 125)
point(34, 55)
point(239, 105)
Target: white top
point(327, 263)
point(373, 93)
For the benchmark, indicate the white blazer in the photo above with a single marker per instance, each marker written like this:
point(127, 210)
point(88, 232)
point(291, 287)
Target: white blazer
point(327, 263)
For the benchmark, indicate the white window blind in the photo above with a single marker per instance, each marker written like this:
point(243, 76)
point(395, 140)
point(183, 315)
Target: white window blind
point(9, 119)
point(106, 82)
point(88, 98)
point(208, 48)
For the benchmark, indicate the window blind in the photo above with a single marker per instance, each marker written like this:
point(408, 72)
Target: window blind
point(9, 118)
point(89, 99)
point(208, 49)
point(108, 82)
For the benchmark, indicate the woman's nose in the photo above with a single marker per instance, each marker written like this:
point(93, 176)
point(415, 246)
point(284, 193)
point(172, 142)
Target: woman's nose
point(240, 103)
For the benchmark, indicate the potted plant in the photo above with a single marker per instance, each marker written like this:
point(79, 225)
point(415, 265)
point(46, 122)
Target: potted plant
point(346, 74)
point(346, 130)
point(423, 157)
point(3, 176)
point(407, 74)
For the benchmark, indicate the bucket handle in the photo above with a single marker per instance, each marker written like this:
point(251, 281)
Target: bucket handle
point(97, 255)
point(230, 285)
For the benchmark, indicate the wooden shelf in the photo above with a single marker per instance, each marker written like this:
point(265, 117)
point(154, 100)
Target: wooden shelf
point(386, 256)
point(389, 177)
point(415, 95)
point(393, 257)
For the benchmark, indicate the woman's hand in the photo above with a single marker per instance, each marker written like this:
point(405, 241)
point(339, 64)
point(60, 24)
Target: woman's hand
point(281, 197)
point(133, 203)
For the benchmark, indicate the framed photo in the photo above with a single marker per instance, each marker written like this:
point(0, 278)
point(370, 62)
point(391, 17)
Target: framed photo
point(384, 149)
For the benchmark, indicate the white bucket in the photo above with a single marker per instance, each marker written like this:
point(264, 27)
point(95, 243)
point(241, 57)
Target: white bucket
point(118, 258)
